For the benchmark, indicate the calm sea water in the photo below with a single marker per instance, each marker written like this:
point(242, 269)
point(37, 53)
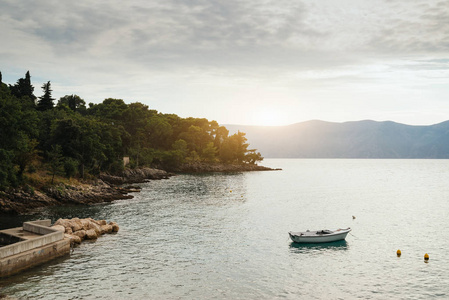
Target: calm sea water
point(224, 236)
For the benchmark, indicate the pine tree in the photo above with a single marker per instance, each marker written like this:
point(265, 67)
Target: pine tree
point(46, 101)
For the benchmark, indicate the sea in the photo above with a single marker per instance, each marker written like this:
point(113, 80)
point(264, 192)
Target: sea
point(225, 236)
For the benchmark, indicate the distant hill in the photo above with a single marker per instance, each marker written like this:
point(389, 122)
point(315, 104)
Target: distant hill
point(360, 139)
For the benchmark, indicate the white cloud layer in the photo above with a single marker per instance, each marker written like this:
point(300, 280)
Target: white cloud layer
point(235, 61)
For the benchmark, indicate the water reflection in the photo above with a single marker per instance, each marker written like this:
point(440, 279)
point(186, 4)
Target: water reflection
point(35, 274)
point(321, 247)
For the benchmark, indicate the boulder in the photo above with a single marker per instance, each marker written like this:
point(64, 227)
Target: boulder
point(93, 221)
point(80, 233)
point(115, 227)
point(91, 234)
point(76, 224)
point(96, 227)
point(73, 238)
point(85, 224)
point(63, 222)
point(106, 228)
point(58, 227)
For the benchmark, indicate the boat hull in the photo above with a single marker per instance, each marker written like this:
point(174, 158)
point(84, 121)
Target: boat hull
point(314, 237)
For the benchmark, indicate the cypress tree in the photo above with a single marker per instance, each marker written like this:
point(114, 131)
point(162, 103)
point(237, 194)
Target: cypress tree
point(46, 101)
point(27, 88)
point(23, 88)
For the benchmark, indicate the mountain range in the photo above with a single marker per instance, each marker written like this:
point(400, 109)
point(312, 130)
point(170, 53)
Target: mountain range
point(358, 139)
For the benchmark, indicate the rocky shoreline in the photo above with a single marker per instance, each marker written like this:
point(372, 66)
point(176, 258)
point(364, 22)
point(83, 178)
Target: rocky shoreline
point(26, 199)
point(105, 189)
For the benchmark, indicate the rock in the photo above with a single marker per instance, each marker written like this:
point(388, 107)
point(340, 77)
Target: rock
point(59, 228)
point(73, 238)
point(80, 233)
point(106, 228)
point(91, 234)
point(135, 176)
point(88, 228)
point(63, 222)
point(76, 225)
point(85, 224)
point(96, 227)
point(115, 227)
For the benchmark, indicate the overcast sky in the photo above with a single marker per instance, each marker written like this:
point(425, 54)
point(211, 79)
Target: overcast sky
point(239, 61)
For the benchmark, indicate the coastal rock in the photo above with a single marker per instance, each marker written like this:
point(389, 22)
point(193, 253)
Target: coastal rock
point(74, 239)
point(85, 224)
point(24, 200)
point(59, 228)
point(80, 233)
point(91, 234)
point(115, 227)
point(135, 176)
point(94, 226)
point(84, 228)
point(95, 192)
point(63, 222)
point(76, 224)
point(106, 228)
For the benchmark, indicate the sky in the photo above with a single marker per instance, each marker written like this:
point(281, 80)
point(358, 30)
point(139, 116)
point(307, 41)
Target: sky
point(248, 62)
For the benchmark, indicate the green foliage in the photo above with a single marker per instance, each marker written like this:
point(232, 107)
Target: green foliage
point(70, 167)
point(23, 90)
point(55, 158)
point(74, 102)
point(209, 152)
point(116, 167)
point(252, 157)
point(8, 174)
point(46, 101)
point(79, 141)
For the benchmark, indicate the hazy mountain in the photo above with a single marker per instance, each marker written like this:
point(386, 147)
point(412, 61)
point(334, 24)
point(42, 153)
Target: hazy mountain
point(361, 139)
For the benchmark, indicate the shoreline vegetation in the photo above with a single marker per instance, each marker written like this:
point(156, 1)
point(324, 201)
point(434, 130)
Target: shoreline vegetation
point(72, 153)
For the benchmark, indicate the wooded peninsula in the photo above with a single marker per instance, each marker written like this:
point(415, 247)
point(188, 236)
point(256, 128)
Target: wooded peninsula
point(44, 142)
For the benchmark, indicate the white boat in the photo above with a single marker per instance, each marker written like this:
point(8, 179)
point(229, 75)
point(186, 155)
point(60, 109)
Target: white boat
point(320, 236)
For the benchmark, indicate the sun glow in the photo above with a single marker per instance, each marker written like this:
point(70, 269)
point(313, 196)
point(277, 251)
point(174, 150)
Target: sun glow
point(268, 117)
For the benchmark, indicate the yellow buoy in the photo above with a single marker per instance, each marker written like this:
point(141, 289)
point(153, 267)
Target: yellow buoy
point(230, 191)
point(398, 253)
point(426, 256)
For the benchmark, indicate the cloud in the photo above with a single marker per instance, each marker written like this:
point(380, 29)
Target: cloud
point(178, 52)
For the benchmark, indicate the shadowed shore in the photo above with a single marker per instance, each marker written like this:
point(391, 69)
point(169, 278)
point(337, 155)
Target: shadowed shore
point(105, 189)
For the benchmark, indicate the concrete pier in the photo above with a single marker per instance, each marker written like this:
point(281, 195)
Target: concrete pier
point(28, 246)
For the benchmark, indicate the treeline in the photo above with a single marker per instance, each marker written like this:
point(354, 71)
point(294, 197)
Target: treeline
point(69, 138)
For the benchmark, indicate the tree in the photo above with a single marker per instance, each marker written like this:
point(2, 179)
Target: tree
point(24, 90)
point(25, 154)
point(8, 176)
point(252, 157)
point(55, 160)
point(46, 101)
point(74, 102)
point(18, 130)
point(208, 154)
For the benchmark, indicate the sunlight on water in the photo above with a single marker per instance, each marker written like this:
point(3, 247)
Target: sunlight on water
point(224, 236)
